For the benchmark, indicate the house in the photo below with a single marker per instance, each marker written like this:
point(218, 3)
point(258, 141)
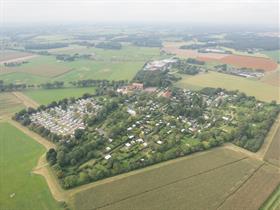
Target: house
point(225, 118)
point(131, 112)
point(136, 86)
point(107, 157)
point(167, 94)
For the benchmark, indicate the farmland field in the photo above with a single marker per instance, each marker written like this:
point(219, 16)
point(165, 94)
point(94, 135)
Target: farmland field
point(266, 64)
point(272, 155)
point(9, 103)
point(6, 55)
point(274, 54)
point(273, 202)
point(191, 185)
point(50, 95)
point(213, 79)
point(255, 191)
point(250, 62)
point(107, 64)
point(272, 78)
point(44, 66)
point(19, 187)
point(127, 53)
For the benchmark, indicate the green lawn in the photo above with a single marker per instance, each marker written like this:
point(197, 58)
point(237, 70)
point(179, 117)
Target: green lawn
point(47, 96)
point(260, 90)
point(19, 154)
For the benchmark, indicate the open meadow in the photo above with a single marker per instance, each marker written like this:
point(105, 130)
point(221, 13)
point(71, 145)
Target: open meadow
point(215, 176)
point(46, 96)
point(108, 64)
point(44, 66)
point(260, 90)
point(19, 187)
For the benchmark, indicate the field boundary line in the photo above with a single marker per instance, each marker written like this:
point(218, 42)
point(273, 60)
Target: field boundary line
point(61, 74)
point(28, 102)
point(241, 185)
point(171, 183)
point(270, 137)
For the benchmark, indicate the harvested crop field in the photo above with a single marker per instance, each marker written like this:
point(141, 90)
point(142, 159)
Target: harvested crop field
point(9, 103)
point(272, 78)
point(266, 64)
point(8, 55)
point(250, 62)
point(255, 191)
point(213, 79)
point(185, 53)
point(203, 181)
point(272, 155)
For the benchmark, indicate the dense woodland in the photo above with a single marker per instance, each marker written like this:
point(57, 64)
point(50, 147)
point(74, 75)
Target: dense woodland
point(6, 87)
point(109, 45)
point(68, 58)
point(156, 78)
point(251, 41)
point(141, 41)
point(116, 141)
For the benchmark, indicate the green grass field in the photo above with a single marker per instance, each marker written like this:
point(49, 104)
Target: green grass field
point(260, 90)
point(42, 66)
point(107, 64)
point(19, 154)
point(47, 96)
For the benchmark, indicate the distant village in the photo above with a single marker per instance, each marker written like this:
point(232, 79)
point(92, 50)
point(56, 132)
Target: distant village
point(241, 72)
point(161, 65)
point(136, 127)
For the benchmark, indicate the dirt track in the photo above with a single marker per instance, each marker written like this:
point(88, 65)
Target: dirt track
point(28, 102)
point(43, 169)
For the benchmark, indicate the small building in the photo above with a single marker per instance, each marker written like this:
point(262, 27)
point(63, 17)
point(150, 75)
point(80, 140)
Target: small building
point(107, 157)
point(136, 86)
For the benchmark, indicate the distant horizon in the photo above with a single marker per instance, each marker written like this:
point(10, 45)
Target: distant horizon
point(180, 25)
point(262, 13)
